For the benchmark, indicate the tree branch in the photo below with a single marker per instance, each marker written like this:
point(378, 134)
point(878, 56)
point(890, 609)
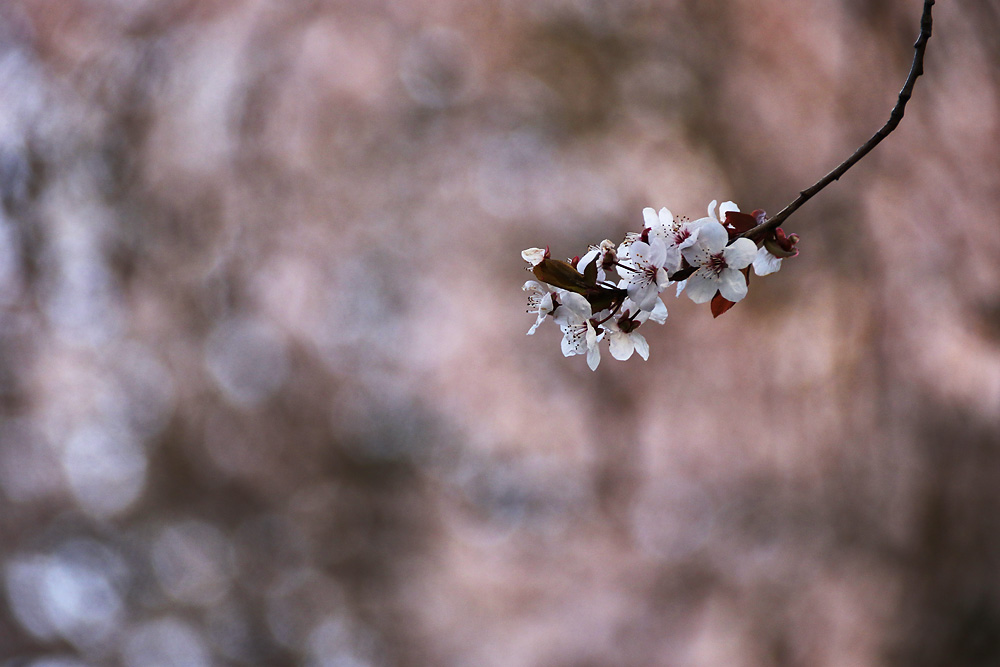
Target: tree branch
point(916, 69)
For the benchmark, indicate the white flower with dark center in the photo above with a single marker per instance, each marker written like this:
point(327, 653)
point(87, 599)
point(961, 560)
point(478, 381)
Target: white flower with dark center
point(642, 272)
point(675, 234)
point(718, 264)
point(539, 301)
point(623, 334)
point(579, 335)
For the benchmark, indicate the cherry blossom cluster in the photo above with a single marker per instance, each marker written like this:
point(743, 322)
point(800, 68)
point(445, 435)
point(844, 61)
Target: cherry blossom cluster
point(610, 292)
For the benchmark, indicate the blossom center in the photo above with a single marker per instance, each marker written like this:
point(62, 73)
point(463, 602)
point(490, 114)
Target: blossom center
point(716, 263)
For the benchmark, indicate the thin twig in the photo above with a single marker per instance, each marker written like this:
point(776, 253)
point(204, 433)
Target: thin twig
point(916, 69)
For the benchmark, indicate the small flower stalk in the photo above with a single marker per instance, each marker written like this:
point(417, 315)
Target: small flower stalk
point(613, 290)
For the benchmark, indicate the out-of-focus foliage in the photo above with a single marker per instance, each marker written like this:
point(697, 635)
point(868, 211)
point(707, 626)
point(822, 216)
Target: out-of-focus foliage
point(265, 394)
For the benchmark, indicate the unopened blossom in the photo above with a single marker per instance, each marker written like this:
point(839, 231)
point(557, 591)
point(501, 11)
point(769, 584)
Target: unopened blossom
point(719, 265)
point(606, 256)
point(777, 246)
point(539, 301)
point(765, 263)
point(579, 335)
point(642, 272)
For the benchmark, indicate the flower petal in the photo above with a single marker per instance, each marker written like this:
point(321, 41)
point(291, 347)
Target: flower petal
point(712, 236)
point(641, 346)
point(726, 207)
point(587, 259)
point(593, 350)
point(666, 217)
point(657, 251)
point(732, 285)
point(576, 304)
point(569, 346)
point(659, 312)
point(672, 260)
point(621, 345)
point(740, 253)
point(533, 256)
point(701, 287)
point(765, 263)
point(649, 217)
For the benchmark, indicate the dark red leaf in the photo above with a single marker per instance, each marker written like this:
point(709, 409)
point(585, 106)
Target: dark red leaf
point(720, 304)
point(741, 222)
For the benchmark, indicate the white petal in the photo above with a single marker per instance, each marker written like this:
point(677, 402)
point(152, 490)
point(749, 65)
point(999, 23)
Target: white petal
point(649, 216)
point(638, 251)
point(666, 217)
point(593, 338)
point(662, 279)
point(696, 255)
point(576, 304)
point(657, 251)
point(732, 285)
point(740, 254)
point(568, 347)
point(659, 312)
point(701, 288)
point(587, 259)
point(711, 209)
point(672, 262)
point(726, 207)
point(533, 255)
point(621, 345)
point(631, 306)
point(712, 236)
point(646, 298)
point(593, 350)
point(641, 346)
point(765, 263)
point(680, 286)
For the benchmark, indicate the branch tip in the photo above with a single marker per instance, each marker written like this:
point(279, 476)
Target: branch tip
point(895, 116)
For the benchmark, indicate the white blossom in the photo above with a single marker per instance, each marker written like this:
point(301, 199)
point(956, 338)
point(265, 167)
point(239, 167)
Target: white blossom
point(675, 234)
point(643, 275)
point(579, 335)
point(623, 335)
point(539, 301)
point(718, 264)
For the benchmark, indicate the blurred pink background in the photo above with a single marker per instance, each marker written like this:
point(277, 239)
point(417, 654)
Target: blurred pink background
point(265, 393)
